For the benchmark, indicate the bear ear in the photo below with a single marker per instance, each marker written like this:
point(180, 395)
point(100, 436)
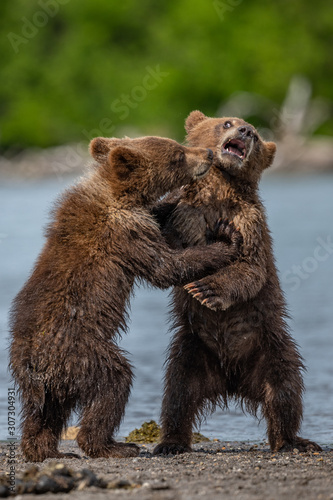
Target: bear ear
point(193, 119)
point(125, 160)
point(270, 148)
point(100, 147)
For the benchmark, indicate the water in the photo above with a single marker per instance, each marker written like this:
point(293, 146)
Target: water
point(300, 216)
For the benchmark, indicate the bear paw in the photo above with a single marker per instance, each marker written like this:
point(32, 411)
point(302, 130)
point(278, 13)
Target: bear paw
point(114, 450)
point(302, 445)
point(225, 232)
point(122, 450)
point(171, 449)
point(41, 455)
point(204, 291)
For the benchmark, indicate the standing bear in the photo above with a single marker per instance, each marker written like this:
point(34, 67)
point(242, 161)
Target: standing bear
point(231, 339)
point(66, 319)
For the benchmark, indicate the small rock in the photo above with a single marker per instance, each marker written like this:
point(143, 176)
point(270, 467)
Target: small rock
point(160, 485)
point(4, 491)
point(120, 484)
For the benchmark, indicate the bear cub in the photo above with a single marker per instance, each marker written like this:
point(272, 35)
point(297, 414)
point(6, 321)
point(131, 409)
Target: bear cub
point(65, 320)
point(231, 339)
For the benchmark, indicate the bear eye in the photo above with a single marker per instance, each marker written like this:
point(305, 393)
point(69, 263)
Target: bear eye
point(255, 138)
point(227, 124)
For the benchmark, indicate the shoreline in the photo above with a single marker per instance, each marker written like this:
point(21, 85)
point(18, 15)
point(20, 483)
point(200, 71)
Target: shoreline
point(216, 469)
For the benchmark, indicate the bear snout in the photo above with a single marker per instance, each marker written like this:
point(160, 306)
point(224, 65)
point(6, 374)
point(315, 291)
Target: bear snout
point(210, 155)
point(246, 131)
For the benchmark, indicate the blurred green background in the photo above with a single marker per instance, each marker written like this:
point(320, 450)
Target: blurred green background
point(74, 69)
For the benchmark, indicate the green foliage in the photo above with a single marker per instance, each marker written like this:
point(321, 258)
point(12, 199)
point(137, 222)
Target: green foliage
point(86, 68)
point(149, 432)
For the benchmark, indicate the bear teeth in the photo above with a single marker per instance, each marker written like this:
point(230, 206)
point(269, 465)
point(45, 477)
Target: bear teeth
point(236, 147)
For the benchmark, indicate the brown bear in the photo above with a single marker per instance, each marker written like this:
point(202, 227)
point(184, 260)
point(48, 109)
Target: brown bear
point(231, 339)
point(66, 319)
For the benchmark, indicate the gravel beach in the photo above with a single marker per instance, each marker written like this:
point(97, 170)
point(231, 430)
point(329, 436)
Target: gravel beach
point(214, 470)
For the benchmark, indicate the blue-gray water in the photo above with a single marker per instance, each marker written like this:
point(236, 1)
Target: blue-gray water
point(300, 213)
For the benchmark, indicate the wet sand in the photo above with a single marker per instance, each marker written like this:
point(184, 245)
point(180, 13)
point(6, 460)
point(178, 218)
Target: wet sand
point(213, 470)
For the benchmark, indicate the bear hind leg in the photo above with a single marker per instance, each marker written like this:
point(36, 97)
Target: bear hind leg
point(283, 412)
point(193, 379)
point(103, 410)
point(42, 426)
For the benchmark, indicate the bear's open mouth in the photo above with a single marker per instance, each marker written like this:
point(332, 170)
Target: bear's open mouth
point(235, 147)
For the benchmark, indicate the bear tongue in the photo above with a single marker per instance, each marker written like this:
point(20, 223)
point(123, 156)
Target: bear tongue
point(233, 149)
point(236, 147)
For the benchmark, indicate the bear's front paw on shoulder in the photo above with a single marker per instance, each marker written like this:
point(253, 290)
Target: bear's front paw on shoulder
point(206, 293)
point(226, 231)
point(171, 449)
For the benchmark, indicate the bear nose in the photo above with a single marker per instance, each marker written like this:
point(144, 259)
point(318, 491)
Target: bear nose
point(210, 154)
point(246, 131)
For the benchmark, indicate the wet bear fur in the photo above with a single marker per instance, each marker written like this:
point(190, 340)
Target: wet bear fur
point(65, 321)
point(231, 340)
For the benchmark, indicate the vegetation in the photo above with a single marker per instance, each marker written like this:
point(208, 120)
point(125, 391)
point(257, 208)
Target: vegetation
point(149, 432)
point(73, 69)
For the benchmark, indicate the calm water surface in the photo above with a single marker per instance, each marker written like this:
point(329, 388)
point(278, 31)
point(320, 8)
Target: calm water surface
point(300, 217)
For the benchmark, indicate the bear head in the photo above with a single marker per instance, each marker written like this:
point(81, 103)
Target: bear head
point(146, 168)
point(238, 148)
